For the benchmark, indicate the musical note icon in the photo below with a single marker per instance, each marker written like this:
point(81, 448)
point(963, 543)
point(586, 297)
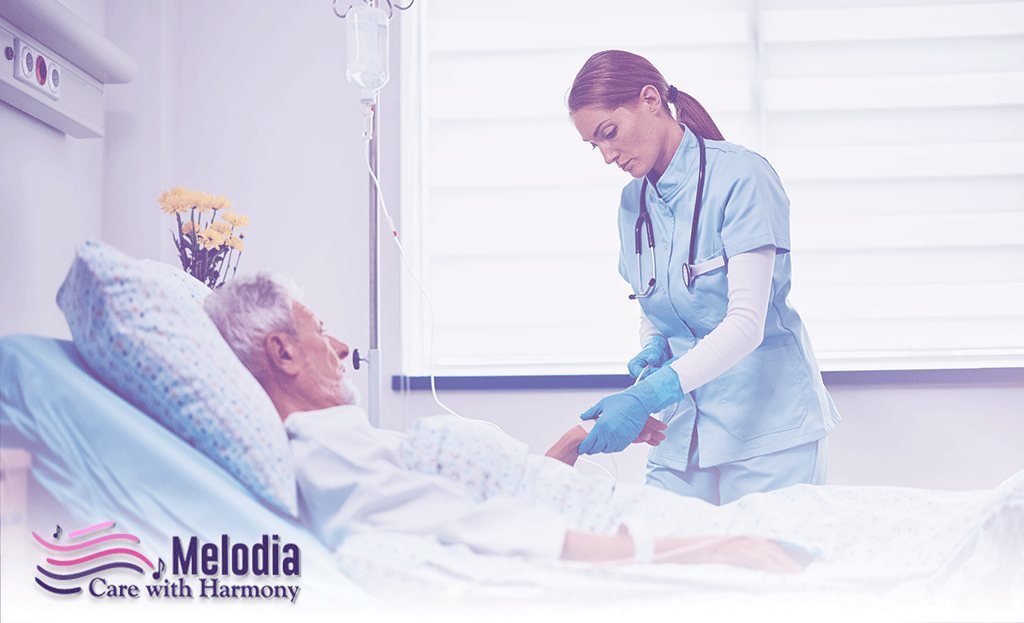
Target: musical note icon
point(57, 534)
point(160, 570)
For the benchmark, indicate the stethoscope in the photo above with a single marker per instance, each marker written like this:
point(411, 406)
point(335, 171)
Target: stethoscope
point(643, 222)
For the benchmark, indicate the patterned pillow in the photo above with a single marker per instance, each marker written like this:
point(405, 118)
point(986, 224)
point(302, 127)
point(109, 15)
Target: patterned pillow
point(141, 327)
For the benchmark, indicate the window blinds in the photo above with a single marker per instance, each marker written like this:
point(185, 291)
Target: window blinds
point(897, 129)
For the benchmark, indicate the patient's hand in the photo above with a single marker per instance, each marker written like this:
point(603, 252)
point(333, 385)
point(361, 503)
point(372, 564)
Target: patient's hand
point(566, 448)
point(652, 433)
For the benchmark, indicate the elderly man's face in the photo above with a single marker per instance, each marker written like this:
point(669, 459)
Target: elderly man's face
point(322, 374)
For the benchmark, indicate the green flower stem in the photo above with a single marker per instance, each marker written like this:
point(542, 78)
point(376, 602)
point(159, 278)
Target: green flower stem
point(226, 258)
point(210, 266)
point(176, 238)
point(235, 269)
point(181, 253)
point(195, 245)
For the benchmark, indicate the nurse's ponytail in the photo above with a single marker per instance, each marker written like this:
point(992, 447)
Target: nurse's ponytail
point(614, 78)
point(690, 112)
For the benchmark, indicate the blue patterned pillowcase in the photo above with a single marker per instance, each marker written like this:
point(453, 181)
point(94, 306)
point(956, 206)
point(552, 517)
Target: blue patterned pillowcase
point(141, 327)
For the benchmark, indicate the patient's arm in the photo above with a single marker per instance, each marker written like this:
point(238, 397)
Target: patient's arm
point(755, 553)
point(565, 449)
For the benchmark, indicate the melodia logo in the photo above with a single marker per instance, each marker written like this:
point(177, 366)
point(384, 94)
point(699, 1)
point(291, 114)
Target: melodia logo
point(216, 570)
point(84, 553)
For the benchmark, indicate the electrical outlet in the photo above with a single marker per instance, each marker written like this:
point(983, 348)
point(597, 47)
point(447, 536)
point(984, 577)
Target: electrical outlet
point(34, 68)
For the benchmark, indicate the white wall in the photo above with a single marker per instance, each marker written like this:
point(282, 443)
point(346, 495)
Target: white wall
point(250, 100)
point(264, 115)
point(139, 144)
point(51, 194)
point(950, 436)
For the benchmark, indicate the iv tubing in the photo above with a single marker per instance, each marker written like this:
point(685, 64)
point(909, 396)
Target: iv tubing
point(430, 308)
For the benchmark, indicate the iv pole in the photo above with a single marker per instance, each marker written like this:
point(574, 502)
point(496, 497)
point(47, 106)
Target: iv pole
point(373, 156)
point(373, 400)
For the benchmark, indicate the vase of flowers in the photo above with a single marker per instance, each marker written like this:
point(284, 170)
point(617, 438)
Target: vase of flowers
point(208, 247)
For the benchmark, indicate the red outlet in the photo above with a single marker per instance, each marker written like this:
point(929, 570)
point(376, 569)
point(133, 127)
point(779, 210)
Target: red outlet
point(41, 72)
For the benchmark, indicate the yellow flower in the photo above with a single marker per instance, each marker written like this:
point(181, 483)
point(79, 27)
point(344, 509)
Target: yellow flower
point(237, 220)
point(178, 200)
point(219, 203)
point(211, 238)
point(175, 200)
point(221, 226)
point(202, 201)
point(236, 243)
point(188, 227)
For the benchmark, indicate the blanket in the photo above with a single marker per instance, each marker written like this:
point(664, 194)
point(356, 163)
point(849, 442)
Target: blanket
point(936, 549)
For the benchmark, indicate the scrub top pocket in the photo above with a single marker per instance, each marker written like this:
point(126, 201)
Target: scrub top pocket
point(674, 450)
point(711, 295)
point(773, 375)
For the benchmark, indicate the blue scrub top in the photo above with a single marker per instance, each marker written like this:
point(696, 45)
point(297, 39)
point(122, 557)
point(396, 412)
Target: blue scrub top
point(774, 398)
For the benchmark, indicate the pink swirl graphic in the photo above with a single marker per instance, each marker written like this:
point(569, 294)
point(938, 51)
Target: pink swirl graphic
point(106, 552)
point(84, 531)
point(71, 548)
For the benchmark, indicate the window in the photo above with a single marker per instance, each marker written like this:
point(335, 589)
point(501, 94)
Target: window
point(897, 128)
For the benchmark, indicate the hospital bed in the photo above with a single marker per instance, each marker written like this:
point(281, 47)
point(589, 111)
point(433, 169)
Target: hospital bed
point(96, 457)
point(99, 457)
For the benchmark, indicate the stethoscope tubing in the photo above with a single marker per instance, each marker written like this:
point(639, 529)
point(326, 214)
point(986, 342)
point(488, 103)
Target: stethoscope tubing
point(643, 221)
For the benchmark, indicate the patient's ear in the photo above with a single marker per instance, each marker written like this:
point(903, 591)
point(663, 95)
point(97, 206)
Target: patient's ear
point(281, 354)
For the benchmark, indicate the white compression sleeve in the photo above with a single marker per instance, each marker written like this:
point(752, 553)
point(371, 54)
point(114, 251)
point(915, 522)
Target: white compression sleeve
point(742, 329)
point(647, 329)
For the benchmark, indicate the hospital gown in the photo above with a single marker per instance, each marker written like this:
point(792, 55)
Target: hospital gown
point(848, 523)
point(352, 479)
point(871, 537)
point(408, 500)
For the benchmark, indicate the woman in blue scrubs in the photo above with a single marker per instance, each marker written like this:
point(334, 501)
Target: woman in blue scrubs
point(725, 359)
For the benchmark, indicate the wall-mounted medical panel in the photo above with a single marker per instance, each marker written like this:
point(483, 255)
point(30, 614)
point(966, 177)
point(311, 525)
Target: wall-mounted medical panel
point(52, 89)
point(53, 65)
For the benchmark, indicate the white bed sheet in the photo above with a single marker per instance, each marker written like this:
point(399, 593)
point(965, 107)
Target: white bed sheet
point(887, 548)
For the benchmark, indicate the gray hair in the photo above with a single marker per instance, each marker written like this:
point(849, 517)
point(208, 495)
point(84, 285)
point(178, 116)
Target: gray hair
point(249, 308)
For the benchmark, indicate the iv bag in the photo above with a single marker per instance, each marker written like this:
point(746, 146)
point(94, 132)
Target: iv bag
point(367, 44)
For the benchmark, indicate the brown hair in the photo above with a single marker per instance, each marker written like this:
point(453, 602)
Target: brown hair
point(614, 78)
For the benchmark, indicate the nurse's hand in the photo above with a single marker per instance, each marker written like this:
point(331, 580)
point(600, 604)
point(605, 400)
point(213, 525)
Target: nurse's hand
point(653, 356)
point(621, 417)
point(566, 449)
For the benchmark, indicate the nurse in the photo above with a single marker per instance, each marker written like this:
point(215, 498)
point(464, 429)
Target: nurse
point(704, 244)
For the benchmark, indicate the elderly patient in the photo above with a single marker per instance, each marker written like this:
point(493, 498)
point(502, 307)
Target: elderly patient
point(352, 476)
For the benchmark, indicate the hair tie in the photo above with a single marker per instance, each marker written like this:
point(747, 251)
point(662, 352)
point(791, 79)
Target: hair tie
point(672, 93)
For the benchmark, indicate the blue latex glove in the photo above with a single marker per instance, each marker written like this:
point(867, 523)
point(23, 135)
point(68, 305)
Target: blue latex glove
point(623, 415)
point(654, 355)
